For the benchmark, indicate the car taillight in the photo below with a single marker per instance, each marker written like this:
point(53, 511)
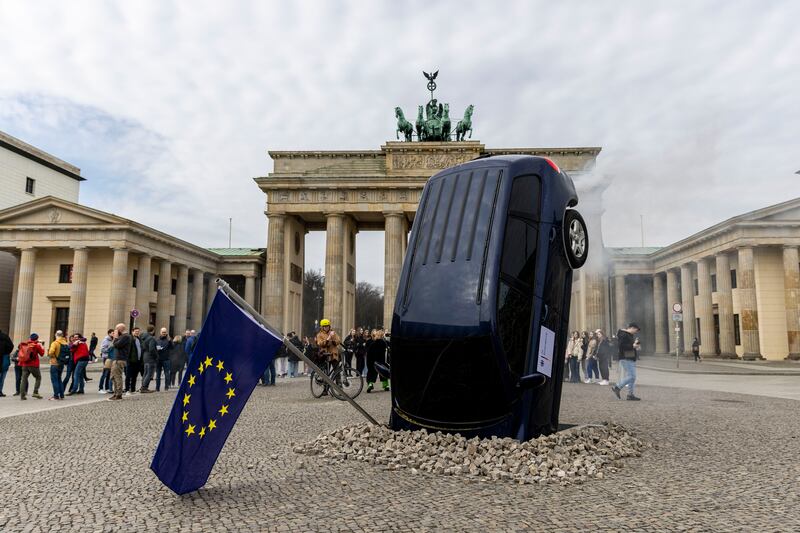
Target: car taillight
point(555, 167)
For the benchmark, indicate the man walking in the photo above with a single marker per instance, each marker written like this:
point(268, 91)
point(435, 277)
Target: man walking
point(163, 347)
point(28, 356)
point(135, 365)
point(122, 346)
point(149, 358)
point(627, 345)
point(59, 353)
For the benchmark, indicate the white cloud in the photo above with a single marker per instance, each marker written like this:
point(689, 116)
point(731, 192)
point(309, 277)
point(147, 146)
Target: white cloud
point(695, 103)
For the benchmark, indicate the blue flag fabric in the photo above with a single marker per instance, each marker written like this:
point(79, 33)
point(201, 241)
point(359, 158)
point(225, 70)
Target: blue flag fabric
point(231, 354)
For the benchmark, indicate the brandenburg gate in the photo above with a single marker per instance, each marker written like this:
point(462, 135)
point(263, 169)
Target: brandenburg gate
point(344, 192)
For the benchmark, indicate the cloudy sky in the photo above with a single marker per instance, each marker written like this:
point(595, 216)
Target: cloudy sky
point(169, 108)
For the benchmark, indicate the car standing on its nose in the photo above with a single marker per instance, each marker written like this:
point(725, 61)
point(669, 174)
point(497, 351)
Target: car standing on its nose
point(481, 316)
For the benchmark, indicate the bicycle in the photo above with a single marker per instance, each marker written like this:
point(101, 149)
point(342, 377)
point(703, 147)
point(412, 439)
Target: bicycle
point(349, 380)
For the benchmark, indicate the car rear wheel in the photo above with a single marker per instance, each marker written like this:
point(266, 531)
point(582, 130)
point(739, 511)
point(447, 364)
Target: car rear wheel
point(576, 238)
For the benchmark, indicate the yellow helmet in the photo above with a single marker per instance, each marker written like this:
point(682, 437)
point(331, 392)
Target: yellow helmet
point(324, 322)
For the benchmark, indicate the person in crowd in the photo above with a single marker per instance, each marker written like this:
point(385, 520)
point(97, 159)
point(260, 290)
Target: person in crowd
point(376, 353)
point(604, 354)
point(696, 350)
point(80, 358)
point(328, 342)
point(70, 366)
point(107, 356)
point(28, 354)
point(177, 361)
point(93, 345)
point(149, 358)
point(627, 345)
point(163, 348)
point(281, 362)
point(574, 352)
point(310, 350)
point(122, 346)
point(6, 347)
point(592, 370)
point(349, 345)
point(292, 358)
point(584, 349)
point(17, 371)
point(366, 340)
point(135, 364)
point(188, 342)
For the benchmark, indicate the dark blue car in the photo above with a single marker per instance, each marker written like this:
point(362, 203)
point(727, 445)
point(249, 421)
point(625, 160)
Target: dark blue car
point(486, 279)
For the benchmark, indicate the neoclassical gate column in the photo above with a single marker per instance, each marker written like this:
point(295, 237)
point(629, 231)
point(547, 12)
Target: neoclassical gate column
point(746, 284)
point(272, 306)
point(791, 281)
point(727, 340)
point(673, 297)
point(77, 294)
point(164, 296)
point(660, 313)
point(119, 287)
point(250, 289)
point(197, 299)
point(705, 308)
point(393, 263)
point(181, 299)
point(24, 303)
point(334, 270)
point(620, 303)
point(144, 289)
point(687, 301)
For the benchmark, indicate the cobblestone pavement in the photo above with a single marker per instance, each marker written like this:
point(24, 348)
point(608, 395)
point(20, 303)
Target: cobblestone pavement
point(723, 462)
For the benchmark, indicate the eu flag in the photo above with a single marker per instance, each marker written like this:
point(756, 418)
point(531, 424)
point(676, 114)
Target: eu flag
point(232, 353)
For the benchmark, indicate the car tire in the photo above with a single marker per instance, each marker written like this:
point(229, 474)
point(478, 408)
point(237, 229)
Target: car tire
point(576, 238)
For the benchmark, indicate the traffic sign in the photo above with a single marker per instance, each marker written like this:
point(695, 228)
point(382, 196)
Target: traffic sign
point(678, 308)
point(677, 317)
point(134, 313)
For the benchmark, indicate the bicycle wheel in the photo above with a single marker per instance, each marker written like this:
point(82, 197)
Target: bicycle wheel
point(350, 381)
point(318, 385)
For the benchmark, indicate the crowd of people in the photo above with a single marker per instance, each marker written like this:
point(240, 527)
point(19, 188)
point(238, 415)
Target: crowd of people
point(589, 357)
point(125, 357)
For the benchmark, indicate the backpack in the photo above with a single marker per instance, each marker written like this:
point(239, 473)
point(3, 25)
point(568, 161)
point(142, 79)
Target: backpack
point(64, 355)
point(25, 353)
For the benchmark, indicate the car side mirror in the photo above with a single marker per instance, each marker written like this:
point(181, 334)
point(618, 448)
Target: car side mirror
point(383, 370)
point(532, 381)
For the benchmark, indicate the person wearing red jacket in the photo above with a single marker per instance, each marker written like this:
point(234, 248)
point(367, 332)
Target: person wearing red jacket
point(28, 356)
point(80, 358)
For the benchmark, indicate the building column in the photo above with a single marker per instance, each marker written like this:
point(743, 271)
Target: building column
point(620, 303)
point(144, 288)
point(164, 295)
point(746, 285)
point(660, 313)
point(791, 282)
point(250, 289)
point(275, 275)
point(594, 296)
point(673, 297)
point(334, 270)
point(77, 295)
point(393, 263)
point(14, 289)
point(117, 313)
point(181, 299)
point(24, 303)
point(705, 309)
point(727, 341)
point(687, 301)
point(197, 299)
point(212, 291)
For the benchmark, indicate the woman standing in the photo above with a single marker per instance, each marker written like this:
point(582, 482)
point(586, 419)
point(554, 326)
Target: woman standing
point(349, 344)
point(591, 360)
point(177, 360)
point(574, 352)
point(376, 353)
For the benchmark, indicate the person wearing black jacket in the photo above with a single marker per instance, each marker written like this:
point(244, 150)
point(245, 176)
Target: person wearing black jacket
point(604, 353)
point(627, 345)
point(149, 358)
point(361, 350)
point(349, 344)
point(6, 347)
point(293, 359)
point(163, 348)
point(376, 353)
point(122, 346)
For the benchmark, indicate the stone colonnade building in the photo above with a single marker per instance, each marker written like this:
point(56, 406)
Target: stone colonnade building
point(738, 284)
point(344, 192)
point(78, 269)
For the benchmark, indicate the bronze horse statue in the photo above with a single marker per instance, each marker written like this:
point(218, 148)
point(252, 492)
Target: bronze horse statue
point(446, 122)
point(465, 124)
point(403, 125)
point(420, 124)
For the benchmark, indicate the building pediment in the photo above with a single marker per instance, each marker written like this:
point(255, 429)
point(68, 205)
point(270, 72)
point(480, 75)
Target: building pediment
point(784, 212)
point(50, 211)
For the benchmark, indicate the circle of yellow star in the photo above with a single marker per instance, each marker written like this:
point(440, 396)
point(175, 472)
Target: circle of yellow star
point(230, 394)
point(201, 368)
point(186, 399)
point(202, 432)
point(190, 430)
point(185, 416)
point(212, 424)
point(223, 411)
point(220, 366)
point(208, 362)
point(228, 377)
point(191, 380)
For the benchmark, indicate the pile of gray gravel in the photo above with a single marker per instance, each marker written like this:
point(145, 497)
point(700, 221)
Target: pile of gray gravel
point(570, 456)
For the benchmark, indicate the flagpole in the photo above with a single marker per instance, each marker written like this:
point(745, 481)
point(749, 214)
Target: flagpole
point(224, 287)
